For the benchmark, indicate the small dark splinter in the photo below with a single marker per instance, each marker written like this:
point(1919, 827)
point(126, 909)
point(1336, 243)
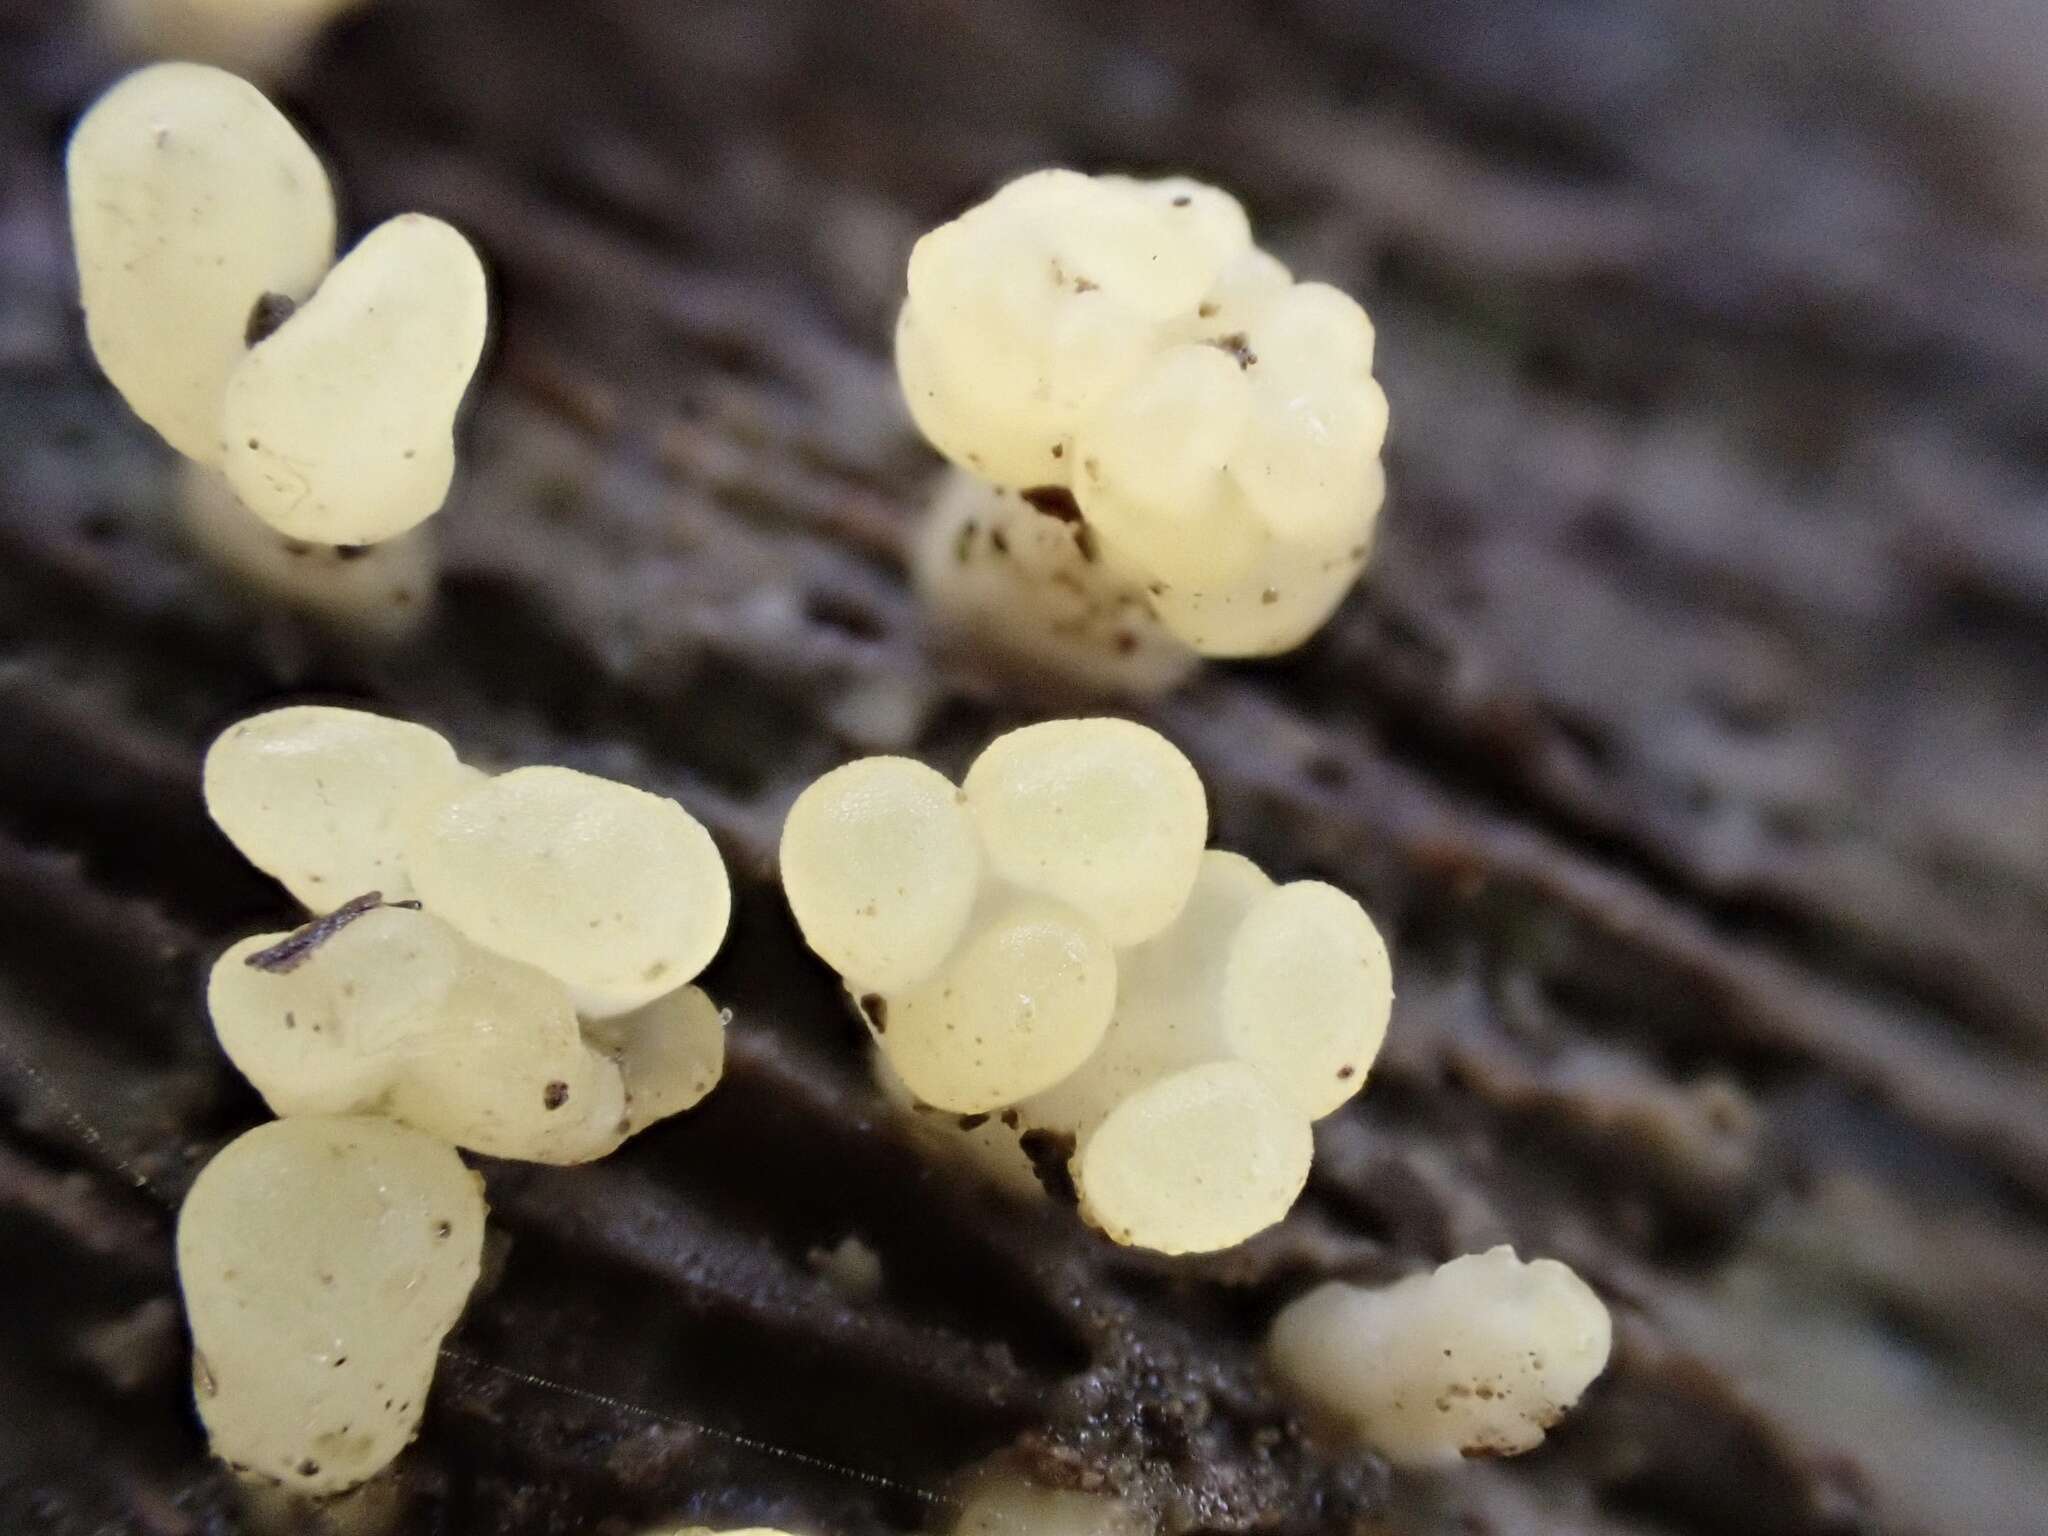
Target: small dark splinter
point(1238, 345)
point(291, 952)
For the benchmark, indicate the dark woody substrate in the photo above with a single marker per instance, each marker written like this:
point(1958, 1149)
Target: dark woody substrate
point(1688, 739)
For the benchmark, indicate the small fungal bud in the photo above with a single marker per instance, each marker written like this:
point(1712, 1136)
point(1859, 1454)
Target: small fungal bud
point(323, 1261)
point(1021, 1003)
point(881, 864)
point(323, 799)
point(256, 37)
point(1215, 424)
point(379, 591)
point(1029, 589)
point(339, 427)
point(1477, 1358)
point(1198, 1161)
point(191, 199)
point(1102, 814)
point(619, 893)
point(397, 1014)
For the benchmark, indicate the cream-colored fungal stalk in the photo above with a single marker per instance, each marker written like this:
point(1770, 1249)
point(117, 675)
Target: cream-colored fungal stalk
point(1123, 345)
point(263, 38)
point(1030, 591)
point(1000, 1502)
point(1477, 1358)
point(323, 1260)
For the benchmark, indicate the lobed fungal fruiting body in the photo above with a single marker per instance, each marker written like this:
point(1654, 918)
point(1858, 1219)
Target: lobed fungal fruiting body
point(204, 230)
point(1122, 346)
point(1105, 1002)
point(322, 1261)
point(380, 590)
point(1477, 1358)
point(398, 1014)
point(547, 894)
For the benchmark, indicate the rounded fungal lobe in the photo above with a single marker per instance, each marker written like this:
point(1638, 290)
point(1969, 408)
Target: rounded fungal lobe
point(192, 199)
point(322, 1261)
point(1005, 1503)
point(619, 893)
point(1105, 815)
point(339, 428)
point(1477, 1358)
point(323, 799)
point(881, 865)
point(1020, 1004)
point(1200, 1160)
point(326, 1035)
point(1307, 992)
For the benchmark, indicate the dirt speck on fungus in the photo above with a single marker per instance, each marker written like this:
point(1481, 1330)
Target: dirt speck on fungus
point(1054, 501)
point(1049, 1152)
point(266, 315)
point(1238, 345)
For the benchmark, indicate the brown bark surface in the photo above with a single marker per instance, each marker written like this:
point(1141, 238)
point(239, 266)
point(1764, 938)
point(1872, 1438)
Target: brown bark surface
point(1687, 738)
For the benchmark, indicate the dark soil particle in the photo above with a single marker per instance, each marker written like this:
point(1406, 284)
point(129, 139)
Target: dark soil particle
point(1683, 738)
point(1050, 1152)
point(266, 315)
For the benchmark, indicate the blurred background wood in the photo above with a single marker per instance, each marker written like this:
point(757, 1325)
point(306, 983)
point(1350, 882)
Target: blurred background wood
point(1687, 737)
